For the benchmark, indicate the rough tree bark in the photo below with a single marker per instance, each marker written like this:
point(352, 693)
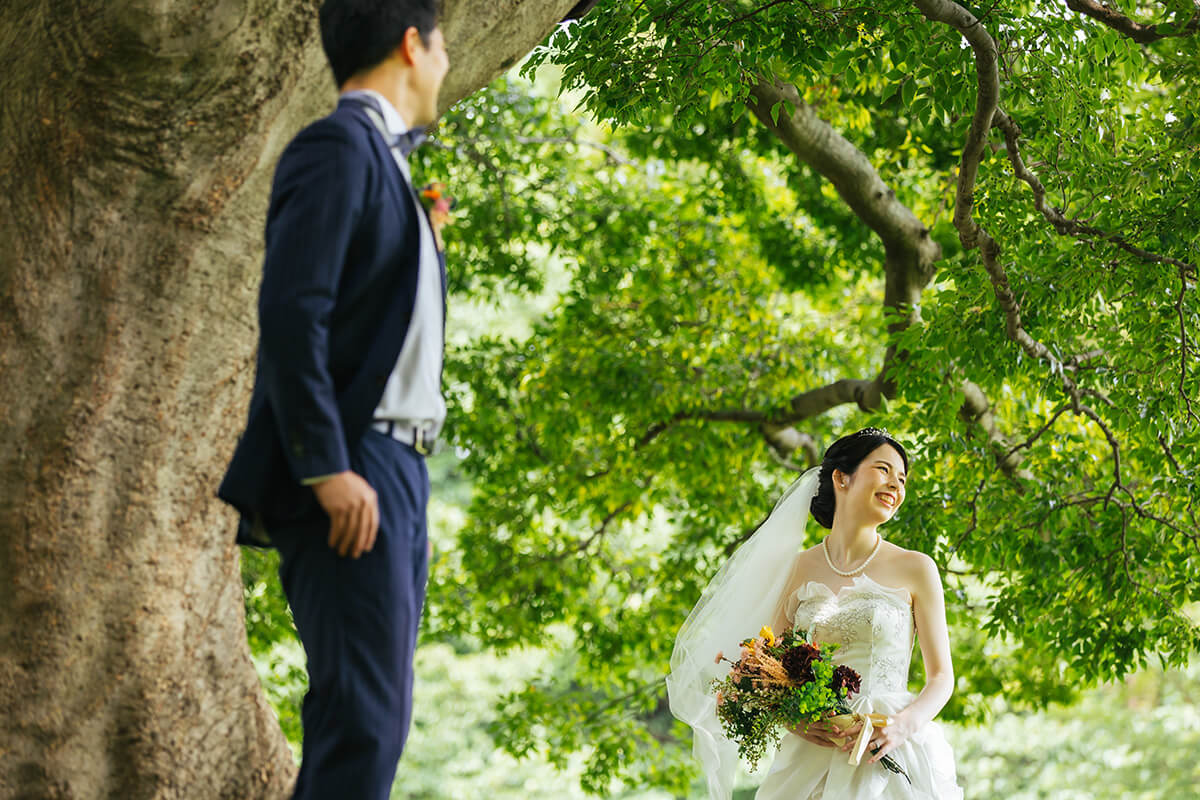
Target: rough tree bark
point(137, 141)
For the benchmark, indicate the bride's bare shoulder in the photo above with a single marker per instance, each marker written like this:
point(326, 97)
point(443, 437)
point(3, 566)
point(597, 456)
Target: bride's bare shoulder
point(915, 568)
point(804, 564)
point(812, 554)
point(811, 551)
point(914, 558)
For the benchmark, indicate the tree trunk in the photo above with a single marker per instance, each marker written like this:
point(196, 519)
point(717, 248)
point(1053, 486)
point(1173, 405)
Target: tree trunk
point(137, 141)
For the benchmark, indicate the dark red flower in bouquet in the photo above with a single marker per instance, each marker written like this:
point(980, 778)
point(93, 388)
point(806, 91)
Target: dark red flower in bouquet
point(798, 662)
point(846, 678)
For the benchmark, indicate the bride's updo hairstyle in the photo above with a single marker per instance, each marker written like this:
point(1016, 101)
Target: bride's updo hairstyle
point(846, 454)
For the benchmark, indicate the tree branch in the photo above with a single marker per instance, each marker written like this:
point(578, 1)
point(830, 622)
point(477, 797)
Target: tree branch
point(1183, 345)
point(802, 406)
point(580, 547)
point(1038, 433)
point(730, 415)
point(974, 505)
point(1064, 225)
point(1140, 32)
point(987, 98)
point(817, 401)
point(785, 440)
point(1166, 448)
point(970, 233)
point(857, 182)
point(977, 409)
point(486, 38)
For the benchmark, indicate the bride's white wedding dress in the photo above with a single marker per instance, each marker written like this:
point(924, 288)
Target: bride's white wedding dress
point(874, 626)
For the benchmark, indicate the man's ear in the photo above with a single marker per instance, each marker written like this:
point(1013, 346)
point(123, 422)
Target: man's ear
point(406, 51)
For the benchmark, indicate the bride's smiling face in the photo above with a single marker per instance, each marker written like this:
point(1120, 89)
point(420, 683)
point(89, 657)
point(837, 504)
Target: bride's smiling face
point(875, 489)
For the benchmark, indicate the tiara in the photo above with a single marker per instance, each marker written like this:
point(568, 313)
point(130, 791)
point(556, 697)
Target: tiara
point(874, 432)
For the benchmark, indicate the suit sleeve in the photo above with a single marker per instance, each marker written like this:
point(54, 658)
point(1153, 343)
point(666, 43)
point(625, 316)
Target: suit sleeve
point(316, 203)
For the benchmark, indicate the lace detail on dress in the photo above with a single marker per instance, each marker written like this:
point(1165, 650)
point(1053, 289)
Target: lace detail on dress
point(889, 664)
point(871, 622)
point(844, 621)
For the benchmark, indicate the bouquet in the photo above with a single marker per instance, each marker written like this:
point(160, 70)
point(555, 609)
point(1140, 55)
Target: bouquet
point(785, 682)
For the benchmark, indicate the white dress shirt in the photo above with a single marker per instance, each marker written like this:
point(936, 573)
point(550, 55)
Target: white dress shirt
point(413, 394)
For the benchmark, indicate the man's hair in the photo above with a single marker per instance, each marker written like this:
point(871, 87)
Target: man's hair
point(358, 34)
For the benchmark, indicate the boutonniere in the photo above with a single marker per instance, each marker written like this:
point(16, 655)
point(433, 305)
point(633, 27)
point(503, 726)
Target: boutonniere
point(440, 207)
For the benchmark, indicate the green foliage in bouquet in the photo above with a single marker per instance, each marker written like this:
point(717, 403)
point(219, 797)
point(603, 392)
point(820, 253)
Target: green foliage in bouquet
point(799, 702)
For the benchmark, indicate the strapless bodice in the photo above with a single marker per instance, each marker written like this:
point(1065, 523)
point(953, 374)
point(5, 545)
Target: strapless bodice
point(871, 623)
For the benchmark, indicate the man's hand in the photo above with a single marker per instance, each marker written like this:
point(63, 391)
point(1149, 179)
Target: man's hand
point(353, 511)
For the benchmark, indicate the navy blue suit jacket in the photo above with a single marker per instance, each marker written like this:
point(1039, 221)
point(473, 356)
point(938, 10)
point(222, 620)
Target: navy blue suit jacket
point(338, 290)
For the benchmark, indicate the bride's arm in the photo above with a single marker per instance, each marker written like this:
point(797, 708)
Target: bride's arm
point(782, 621)
point(785, 608)
point(929, 611)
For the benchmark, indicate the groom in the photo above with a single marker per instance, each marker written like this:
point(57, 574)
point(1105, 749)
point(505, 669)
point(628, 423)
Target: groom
point(347, 397)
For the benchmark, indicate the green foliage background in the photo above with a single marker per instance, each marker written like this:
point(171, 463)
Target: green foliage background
point(640, 287)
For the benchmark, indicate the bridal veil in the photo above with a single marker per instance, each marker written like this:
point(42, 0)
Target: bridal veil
point(743, 596)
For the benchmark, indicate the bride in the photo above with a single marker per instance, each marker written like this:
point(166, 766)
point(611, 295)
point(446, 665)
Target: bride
point(868, 595)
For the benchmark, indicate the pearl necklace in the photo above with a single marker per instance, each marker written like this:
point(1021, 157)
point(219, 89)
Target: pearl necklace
point(861, 567)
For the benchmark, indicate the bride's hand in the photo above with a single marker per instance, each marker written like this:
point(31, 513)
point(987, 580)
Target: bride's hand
point(851, 735)
point(885, 740)
point(815, 733)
